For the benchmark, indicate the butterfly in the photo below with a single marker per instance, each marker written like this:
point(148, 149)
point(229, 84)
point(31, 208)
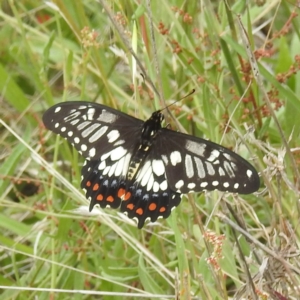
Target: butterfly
point(141, 167)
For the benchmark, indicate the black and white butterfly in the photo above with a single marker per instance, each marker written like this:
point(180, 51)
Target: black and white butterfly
point(140, 166)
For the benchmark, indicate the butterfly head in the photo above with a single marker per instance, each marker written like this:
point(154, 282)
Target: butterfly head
point(152, 126)
point(157, 117)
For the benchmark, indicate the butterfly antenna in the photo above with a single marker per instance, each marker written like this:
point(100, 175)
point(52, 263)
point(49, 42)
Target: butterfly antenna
point(189, 94)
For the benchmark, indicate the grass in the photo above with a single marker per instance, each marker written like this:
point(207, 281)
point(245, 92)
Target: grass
point(214, 245)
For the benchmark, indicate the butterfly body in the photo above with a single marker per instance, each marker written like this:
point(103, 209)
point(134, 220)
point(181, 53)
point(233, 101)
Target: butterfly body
point(148, 135)
point(140, 166)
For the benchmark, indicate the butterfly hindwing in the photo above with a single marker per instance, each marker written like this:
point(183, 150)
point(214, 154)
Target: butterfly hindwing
point(151, 196)
point(147, 197)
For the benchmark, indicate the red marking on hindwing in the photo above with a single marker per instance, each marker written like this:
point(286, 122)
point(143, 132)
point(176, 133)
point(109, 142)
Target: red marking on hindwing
point(162, 209)
point(127, 196)
point(121, 192)
point(123, 195)
point(110, 199)
point(130, 206)
point(152, 206)
point(88, 184)
point(100, 197)
point(139, 211)
point(95, 187)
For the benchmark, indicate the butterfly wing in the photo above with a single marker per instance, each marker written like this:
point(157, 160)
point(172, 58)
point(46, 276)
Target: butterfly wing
point(195, 164)
point(151, 196)
point(93, 129)
point(147, 197)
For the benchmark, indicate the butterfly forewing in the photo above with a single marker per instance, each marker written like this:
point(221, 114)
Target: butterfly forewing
point(93, 129)
point(195, 164)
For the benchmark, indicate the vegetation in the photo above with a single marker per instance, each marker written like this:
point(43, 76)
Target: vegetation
point(243, 60)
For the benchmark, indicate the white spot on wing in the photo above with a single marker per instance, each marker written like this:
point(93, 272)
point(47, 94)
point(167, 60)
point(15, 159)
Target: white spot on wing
point(200, 167)
point(102, 165)
point(221, 171)
point(203, 184)
point(210, 168)
point(57, 109)
point(164, 185)
point(175, 158)
point(117, 153)
point(215, 183)
point(89, 130)
point(120, 166)
point(142, 171)
point(113, 136)
point(236, 186)
point(196, 148)
point(165, 159)
point(107, 117)
point(74, 122)
point(249, 173)
point(151, 183)
point(83, 147)
point(228, 157)
point(228, 169)
point(76, 140)
point(226, 184)
point(179, 184)
point(90, 113)
point(158, 167)
point(96, 136)
point(191, 185)
point(72, 116)
point(146, 178)
point(213, 155)
point(92, 152)
point(83, 125)
point(126, 164)
point(155, 187)
point(233, 165)
point(189, 166)
point(119, 142)
point(105, 171)
point(112, 169)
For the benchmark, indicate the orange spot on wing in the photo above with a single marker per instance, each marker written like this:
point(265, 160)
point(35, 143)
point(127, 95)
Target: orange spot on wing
point(162, 209)
point(127, 196)
point(100, 197)
point(95, 187)
point(123, 195)
point(110, 199)
point(139, 211)
point(121, 192)
point(152, 206)
point(88, 184)
point(130, 206)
